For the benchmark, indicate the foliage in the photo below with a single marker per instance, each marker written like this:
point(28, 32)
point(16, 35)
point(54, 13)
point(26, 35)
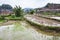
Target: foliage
point(18, 11)
point(13, 16)
point(2, 17)
point(32, 11)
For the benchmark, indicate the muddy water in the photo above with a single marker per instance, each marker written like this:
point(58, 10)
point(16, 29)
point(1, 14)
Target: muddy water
point(13, 32)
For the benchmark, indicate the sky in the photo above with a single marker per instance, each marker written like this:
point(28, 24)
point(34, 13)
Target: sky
point(28, 3)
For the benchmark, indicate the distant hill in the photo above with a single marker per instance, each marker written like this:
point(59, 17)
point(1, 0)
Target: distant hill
point(5, 6)
point(27, 10)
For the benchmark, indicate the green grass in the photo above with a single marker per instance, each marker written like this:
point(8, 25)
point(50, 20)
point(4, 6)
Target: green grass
point(1, 21)
point(0, 39)
point(13, 17)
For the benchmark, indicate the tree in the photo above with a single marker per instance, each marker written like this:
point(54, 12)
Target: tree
point(2, 17)
point(32, 11)
point(18, 11)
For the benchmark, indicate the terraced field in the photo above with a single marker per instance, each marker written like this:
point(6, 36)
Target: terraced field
point(21, 30)
point(43, 21)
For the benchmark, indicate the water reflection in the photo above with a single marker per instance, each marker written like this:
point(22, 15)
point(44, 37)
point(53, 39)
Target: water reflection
point(7, 33)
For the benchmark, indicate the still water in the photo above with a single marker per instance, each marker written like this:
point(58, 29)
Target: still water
point(58, 18)
point(13, 32)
